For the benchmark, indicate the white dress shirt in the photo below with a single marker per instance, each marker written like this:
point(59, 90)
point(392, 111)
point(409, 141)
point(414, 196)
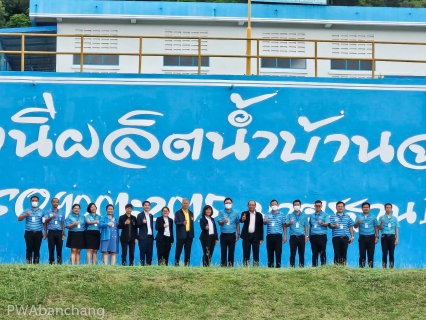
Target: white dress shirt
point(252, 222)
point(166, 230)
point(211, 228)
point(148, 222)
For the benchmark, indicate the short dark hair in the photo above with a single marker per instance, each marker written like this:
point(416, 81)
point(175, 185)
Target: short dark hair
point(297, 200)
point(273, 201)
point(109, 205)
point(226, 199)
point(129, 205)
point(340, 202)
point(90, 205)
point(54, 199)
point(165, 208)
point(366, 204)
point(318, 201)
point(251, 201)
point(388, 204)
point(31, 199)
point(205, 209)
point(146, 201)
point(76, 205)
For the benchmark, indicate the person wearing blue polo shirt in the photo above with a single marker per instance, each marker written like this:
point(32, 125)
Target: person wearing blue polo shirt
point(33, 230)
point(342, 226)
point(54, 229)
point(318, 223)
point(229, 223)
point(93, 233)
point(275, 227)
point(368, 235)
point(389, 226)
point(76, 225)
point(298, 224)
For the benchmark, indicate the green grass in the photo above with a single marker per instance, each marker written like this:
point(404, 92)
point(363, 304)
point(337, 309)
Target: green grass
point(218, 293)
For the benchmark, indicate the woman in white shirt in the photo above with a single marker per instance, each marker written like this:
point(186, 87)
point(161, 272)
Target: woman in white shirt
point(164, 238)
point(208, 236)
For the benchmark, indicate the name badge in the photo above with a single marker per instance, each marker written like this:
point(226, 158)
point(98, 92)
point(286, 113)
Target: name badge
point(389, 225)
point(33, 219)
point(272, 224)
point(51, 214)
point(315, 225)
point(96, 224)
point(56, 222)
point(297, 224)
point(228, 223)
point(341, 226)
point(365, 225)
point(78, 226)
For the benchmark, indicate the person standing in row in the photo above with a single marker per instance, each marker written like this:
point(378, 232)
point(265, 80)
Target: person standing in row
point(368, 235)
point(208, 236)
point(252, 233)
point(33, 230)
point(298, 224)
point(145, 223)
point(275, 227)
point(54, 230)
point(109, 236)
point(164, 237)
point(76, 225)
point(318, 234)
point(341, 225)
point(93, 235)
point(389, 226)
point(229, 222)
point(184, 220)
point(129, 231)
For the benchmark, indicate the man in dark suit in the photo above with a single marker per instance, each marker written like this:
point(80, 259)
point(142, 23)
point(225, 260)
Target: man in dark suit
point(145, 224)
point(127, 223)
point(252, 233)
point(184, 220)
point(164, 237)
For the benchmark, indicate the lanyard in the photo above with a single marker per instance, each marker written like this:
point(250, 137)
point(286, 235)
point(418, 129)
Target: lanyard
point(297, 217)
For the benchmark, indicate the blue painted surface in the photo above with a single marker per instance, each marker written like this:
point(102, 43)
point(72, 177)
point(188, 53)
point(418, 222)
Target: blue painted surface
point(200, 9)
point(202, 106)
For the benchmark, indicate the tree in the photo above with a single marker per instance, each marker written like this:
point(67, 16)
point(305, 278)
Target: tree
point(18, 20)
point(2, 15)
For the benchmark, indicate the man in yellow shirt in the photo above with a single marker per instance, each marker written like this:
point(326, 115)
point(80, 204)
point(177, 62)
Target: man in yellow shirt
point(184, 220)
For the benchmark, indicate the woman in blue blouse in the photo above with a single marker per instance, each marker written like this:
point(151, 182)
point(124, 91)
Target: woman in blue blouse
point(93, 235)
point(76, 225)
point(109, 235)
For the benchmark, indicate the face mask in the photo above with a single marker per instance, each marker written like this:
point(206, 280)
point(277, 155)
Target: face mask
point(34, 204)
point(274, 208)
point(228, 205)
point(296, 208)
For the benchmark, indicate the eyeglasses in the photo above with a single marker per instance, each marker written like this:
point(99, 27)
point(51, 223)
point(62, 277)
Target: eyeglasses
point(318, 205)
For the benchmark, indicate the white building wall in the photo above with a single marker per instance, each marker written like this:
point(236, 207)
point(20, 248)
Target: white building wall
point(128, 64)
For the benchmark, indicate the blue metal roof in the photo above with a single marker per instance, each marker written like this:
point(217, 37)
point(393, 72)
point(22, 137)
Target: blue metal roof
point(32, 43)
point(76, 8)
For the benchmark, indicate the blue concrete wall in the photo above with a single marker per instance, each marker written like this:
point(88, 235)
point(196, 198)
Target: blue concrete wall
point(90, 140)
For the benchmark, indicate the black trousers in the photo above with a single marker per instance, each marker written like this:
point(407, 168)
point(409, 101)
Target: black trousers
point(185, 244)
point(340, 246)
point(146, 247)
point(33, 241)
point(251, 244)
point(208, 249)
point(366, 245)
point(297, 243)
point(54, 239)
point(131, 245)
point(388, 246)
point(163, 250)
point(318, 246)
point(227, 249)
point(274, 246)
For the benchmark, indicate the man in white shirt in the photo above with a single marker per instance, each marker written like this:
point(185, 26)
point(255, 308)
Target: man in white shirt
point(146, 235)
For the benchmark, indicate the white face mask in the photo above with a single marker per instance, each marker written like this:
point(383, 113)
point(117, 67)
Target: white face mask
point(228, 205)
point(296, 208)
point(274, 208)
point(34, 204)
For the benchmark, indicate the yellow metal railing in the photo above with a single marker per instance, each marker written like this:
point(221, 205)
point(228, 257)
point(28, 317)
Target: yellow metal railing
point(140, 54)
